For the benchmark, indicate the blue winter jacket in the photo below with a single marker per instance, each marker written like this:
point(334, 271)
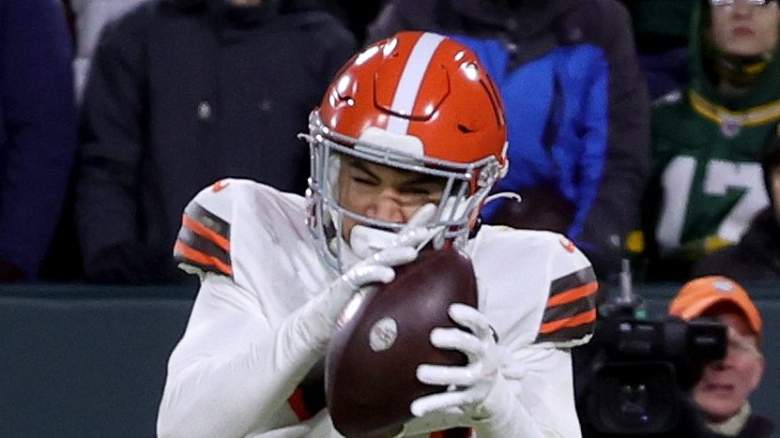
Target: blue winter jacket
point(576, 104)
point(558, 128)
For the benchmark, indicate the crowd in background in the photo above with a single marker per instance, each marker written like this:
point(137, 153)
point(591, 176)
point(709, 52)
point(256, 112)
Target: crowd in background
point(645, 128)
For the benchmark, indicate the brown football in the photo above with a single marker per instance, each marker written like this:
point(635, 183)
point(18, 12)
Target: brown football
point(371, 361)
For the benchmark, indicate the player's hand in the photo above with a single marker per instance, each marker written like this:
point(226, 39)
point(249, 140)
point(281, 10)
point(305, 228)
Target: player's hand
point(475, 391)
point(320, 318)
point(365, 241)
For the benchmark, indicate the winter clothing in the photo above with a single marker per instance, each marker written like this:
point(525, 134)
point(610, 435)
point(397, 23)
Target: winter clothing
point(37, 133)
point(182, 93)
point(707, 181)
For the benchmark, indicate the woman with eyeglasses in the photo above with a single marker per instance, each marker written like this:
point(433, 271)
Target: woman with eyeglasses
point(707, 181)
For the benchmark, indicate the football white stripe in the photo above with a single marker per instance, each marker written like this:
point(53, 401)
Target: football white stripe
point(411, 78)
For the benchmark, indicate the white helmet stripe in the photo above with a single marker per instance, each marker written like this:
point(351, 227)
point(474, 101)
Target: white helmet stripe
point(411, 79)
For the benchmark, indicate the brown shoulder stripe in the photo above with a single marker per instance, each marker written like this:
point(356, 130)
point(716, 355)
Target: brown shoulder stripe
point(204, 233)
point(583, 318)
point(204, 241)
point(185, 254)
point(204, 245)
point(211, 222)
point(572, 281)
point(568, 310)
point(566, 334)
point(571, 309)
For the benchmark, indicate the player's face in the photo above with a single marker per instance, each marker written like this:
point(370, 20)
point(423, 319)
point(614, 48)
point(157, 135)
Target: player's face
point(726, 384)
point(745, 29)
point(384, 193)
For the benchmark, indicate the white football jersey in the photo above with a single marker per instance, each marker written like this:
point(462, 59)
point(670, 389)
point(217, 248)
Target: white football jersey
point(234, 375)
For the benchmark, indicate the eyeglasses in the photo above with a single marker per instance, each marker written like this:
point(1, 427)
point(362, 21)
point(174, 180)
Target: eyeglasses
point(722, 3)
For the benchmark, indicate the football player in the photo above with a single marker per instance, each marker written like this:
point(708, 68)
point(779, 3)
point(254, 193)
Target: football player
point(405, 147)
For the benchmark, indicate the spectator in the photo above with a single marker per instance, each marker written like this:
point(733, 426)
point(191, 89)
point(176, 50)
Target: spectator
point(706, 181)
point(757, 255)
point(577, 106)
point(38, 131)
point(182, 93)
point(722, 392)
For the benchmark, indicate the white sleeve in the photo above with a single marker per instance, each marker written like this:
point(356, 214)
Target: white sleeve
point(541, 403)
point(232, 371)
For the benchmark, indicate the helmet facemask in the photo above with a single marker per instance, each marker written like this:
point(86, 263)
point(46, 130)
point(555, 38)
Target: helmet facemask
point(465, 188)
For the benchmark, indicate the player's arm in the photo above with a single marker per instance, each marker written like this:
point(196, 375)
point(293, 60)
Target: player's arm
point(232, 371)
point(234, 368)
point(236, 365)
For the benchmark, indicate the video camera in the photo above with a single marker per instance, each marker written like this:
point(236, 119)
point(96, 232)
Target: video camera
point(633, 377)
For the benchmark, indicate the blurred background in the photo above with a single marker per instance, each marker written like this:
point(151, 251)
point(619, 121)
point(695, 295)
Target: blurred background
point(646, 131)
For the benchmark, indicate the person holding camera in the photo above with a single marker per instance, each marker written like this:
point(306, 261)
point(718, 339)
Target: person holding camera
point(721, 393)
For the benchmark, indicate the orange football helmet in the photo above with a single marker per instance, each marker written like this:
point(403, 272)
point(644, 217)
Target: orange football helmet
point(416, 101)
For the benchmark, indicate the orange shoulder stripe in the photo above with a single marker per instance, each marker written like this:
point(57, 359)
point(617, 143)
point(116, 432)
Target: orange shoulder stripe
point(199, 257)
point(203, 231)
point(573, 294)
point(573, 321)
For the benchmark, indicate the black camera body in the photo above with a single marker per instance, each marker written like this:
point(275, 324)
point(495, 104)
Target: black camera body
point(637, 371)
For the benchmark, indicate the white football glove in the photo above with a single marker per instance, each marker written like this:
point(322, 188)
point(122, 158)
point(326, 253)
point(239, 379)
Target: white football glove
point(365, 241)
point(478, 391)
point(320, 315)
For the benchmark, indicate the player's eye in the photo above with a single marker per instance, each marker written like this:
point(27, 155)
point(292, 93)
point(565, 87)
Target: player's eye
point(422, 193)
point(360, 177)
point(363, 180)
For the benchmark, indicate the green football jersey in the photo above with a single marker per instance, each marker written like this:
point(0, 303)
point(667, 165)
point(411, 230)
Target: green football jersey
point(707, 181)
point(706, 165)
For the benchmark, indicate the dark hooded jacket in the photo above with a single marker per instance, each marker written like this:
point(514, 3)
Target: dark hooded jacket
point(182, 93)
point(576, 105)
